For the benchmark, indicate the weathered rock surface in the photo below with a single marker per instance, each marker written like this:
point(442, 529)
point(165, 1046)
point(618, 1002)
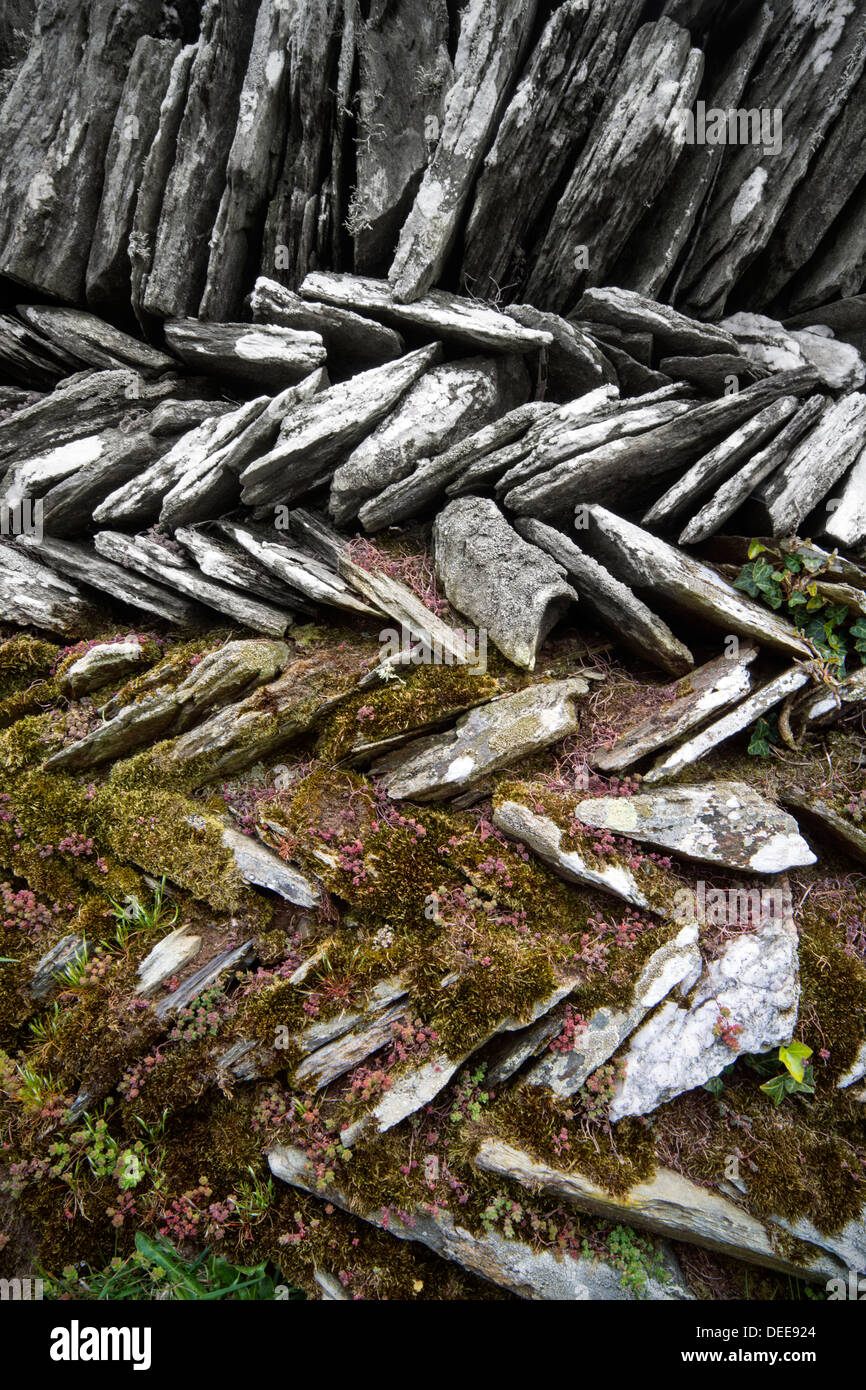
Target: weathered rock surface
point(715, 822)
point(540, 134)
point(564, 1073)
point(544, 837)
point(646, 562)
point(490, 737)
point(155, 175)
point(632, 149)
point(612, 603)
point(32, 594)
point(167, 958)
point(176, 276)
point(489, 49)
point(513, 1265)
point(246, 732)
point(234, 669)
point(81, 562)
point(55, 127)
point(722, 461)
point(105, 663)
point(735, 490)
point(405, 73)
point(136, 123)
point(317, 433)
point(155, 562)
point(846, 520)
point(437, 313)
point(707, 690)
point(811, 50)
point(810, 471)
point(431, 475)
point(264, 354)
point(668, 1204)
point(92, 341)
point(252, 162)
point(738, 719)
point(352, 342)
point(620, 469)
point(754, 985)
point(507, 587)
point(448, 403)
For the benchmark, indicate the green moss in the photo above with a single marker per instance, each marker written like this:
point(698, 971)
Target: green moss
point(805, 1158)
point(417, 700)
point(23, 660)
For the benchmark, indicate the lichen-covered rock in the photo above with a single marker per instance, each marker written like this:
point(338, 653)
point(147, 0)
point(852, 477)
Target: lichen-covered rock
point(448, 403)
point(716, 822)
point(752, 989)
point(106, 662)
point(490, 737)
point(675, 962)
point(507, 587)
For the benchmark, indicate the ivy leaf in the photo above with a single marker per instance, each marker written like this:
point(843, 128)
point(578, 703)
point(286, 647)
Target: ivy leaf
point(776, 1089)
point(755, 548)
point(761, 741)
point(793, 1055)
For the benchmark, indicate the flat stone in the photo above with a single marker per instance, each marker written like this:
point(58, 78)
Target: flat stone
point(167, 958)
point(79, 561)
point(489, 737)
point(189, 989)
point(44, 980)
point(103, 664)
point(642, 560)
point(636, 313)
point(510, 1264)
point(352, 341)
point(412, 1089)
point(615, 606)
point(706, 691)
point(544, 837)
point(259, 865)
point(263, 354)
point(735, 490)
point(846, 519)
point(448, 403)
point(490, 47)
point(33, 595)
point(713, 822)
point(732, 723)
point(754, 984)
point(438, 313)
point(157, 563)
point(430, 476)
point(222, 675)
point(316, 434)
point(717, 465)
point(606, 1029)
point(836, 827)
point(814, 466)
point(667, 1204)
point(95, 342)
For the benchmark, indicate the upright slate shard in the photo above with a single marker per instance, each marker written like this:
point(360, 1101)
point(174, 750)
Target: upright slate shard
point(491, 44)
point(176, 277)
point(55, 128)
